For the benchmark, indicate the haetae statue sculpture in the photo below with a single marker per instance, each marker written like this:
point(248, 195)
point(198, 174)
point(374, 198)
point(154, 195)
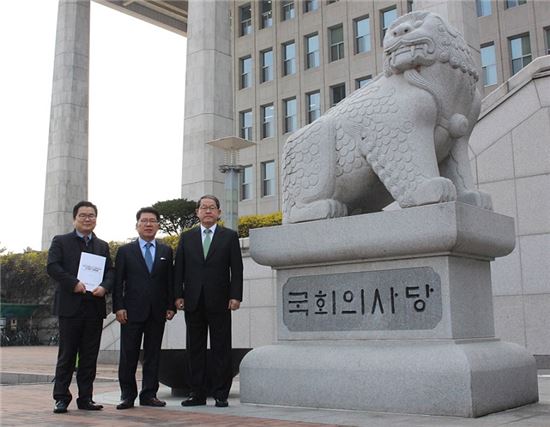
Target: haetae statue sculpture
point(402, 137)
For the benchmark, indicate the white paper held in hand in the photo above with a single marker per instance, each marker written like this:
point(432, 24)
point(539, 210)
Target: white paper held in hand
point(91, 269)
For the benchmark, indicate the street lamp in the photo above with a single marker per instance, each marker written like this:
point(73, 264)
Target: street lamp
point(231, 168)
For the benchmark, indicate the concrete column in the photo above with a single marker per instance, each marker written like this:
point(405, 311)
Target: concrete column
point(462, 15)
point(67, 167)
point(208, 97)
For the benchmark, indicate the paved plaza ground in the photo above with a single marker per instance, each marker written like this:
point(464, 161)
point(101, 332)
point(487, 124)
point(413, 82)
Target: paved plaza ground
point(30, 404)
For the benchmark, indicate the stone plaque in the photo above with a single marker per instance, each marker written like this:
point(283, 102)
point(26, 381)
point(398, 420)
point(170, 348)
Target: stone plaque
point(408, 298)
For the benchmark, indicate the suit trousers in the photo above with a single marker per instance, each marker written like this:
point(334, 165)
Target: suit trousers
point(131, 334)
point(199, 323)
point(80, 334)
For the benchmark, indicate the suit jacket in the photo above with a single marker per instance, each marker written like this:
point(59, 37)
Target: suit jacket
point(139, 292)
point(63, 262)
point(219, 276)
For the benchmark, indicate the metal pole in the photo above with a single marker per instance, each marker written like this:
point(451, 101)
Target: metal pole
point(230, 210)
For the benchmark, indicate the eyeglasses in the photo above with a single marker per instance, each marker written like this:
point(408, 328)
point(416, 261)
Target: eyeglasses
point(148, 221)
point(86, 216)
point(208, 208)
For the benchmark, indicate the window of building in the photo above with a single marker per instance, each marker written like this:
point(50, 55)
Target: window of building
point(268, 178)
point(483, 7)
point(387, 17)
point(520, 52)
point(547, 40)
point(266, 16)
point(362, 34)
point(489, 64)
point(337, 93)
point(245, 119)
point(311, 5)
point(267, 121)
point(246, 72)
point(331, 1)
point(313, 102)
point(409, 6)
point(312, 51)
point(336, 42)
point(287, 10)
point(289, 58)
point(246, 183)
point(362, 81)
point(245, 16)
point(266, 59)
point(291, 120)
point(514, 3)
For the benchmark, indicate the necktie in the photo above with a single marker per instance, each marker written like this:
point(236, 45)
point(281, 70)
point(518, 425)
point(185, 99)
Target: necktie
point(148, 256)
point(206, 242)
point(86, 240)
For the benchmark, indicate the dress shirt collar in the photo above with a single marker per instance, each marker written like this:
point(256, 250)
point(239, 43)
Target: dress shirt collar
point(79, 234)
point(142, 243)
point(213, 228)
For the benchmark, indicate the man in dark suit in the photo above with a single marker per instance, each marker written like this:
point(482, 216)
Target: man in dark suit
point(143, 299)
point(81, 312)
point(208, 285)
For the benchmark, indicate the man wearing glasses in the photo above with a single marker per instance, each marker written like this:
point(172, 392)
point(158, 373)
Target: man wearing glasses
point(208, 286)
point(143, 299)
point(81, 311)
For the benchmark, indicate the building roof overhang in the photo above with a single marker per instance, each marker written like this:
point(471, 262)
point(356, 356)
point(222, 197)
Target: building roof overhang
point(168, 14)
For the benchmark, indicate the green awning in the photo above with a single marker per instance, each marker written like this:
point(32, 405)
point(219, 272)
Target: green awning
point(17, 310)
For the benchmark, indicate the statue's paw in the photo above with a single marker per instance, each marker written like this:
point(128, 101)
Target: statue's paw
point(319, 209)
point(434, 190)
point(476, 198)
point(336, 209)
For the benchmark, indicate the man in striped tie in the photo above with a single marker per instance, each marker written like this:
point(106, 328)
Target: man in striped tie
point(208, 286)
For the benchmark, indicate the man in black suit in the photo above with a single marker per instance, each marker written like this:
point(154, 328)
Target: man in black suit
point(143, 299)
point(80, 312)
point(208, 285)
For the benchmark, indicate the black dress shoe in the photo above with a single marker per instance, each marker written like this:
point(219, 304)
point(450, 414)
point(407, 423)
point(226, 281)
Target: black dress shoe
point(88, 405)
point(221, 403)
point(153, 401)
point(125, 404)
point(194, 401)
point(60, 406)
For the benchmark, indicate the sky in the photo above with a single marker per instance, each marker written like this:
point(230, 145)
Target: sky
point(137, 91)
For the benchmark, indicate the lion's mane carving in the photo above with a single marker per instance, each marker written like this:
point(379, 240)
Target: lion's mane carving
point(403, 137)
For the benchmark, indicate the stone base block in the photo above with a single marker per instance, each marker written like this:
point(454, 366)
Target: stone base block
point(453, 378)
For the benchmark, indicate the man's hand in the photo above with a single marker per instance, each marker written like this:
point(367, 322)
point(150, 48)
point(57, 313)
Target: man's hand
point(180, 304)
point(234, 304)
point(122, 316)
point(99, 292)
point(79, 288)
point(170, 314)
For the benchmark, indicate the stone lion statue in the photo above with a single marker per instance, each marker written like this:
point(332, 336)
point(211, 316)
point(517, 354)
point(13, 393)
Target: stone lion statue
point(403, 137)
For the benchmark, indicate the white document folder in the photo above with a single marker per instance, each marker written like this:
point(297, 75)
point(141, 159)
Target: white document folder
point(91, 269)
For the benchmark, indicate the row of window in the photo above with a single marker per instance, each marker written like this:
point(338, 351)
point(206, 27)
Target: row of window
point(265, 7)
point(362, 43)
point(290, 111)
point(267, 170)
point(485, 8)
point(520, 56)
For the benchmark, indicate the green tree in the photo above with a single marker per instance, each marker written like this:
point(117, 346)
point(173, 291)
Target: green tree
point(24, 278)
point(176, 215)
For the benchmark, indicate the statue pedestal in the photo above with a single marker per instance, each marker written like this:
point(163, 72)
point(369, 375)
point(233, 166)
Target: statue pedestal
point(389, 312)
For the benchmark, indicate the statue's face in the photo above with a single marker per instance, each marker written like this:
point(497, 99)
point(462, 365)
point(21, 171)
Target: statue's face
point(409, 42)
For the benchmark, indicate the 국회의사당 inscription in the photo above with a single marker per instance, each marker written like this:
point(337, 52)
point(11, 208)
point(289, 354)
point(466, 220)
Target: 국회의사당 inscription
point(408, 298)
